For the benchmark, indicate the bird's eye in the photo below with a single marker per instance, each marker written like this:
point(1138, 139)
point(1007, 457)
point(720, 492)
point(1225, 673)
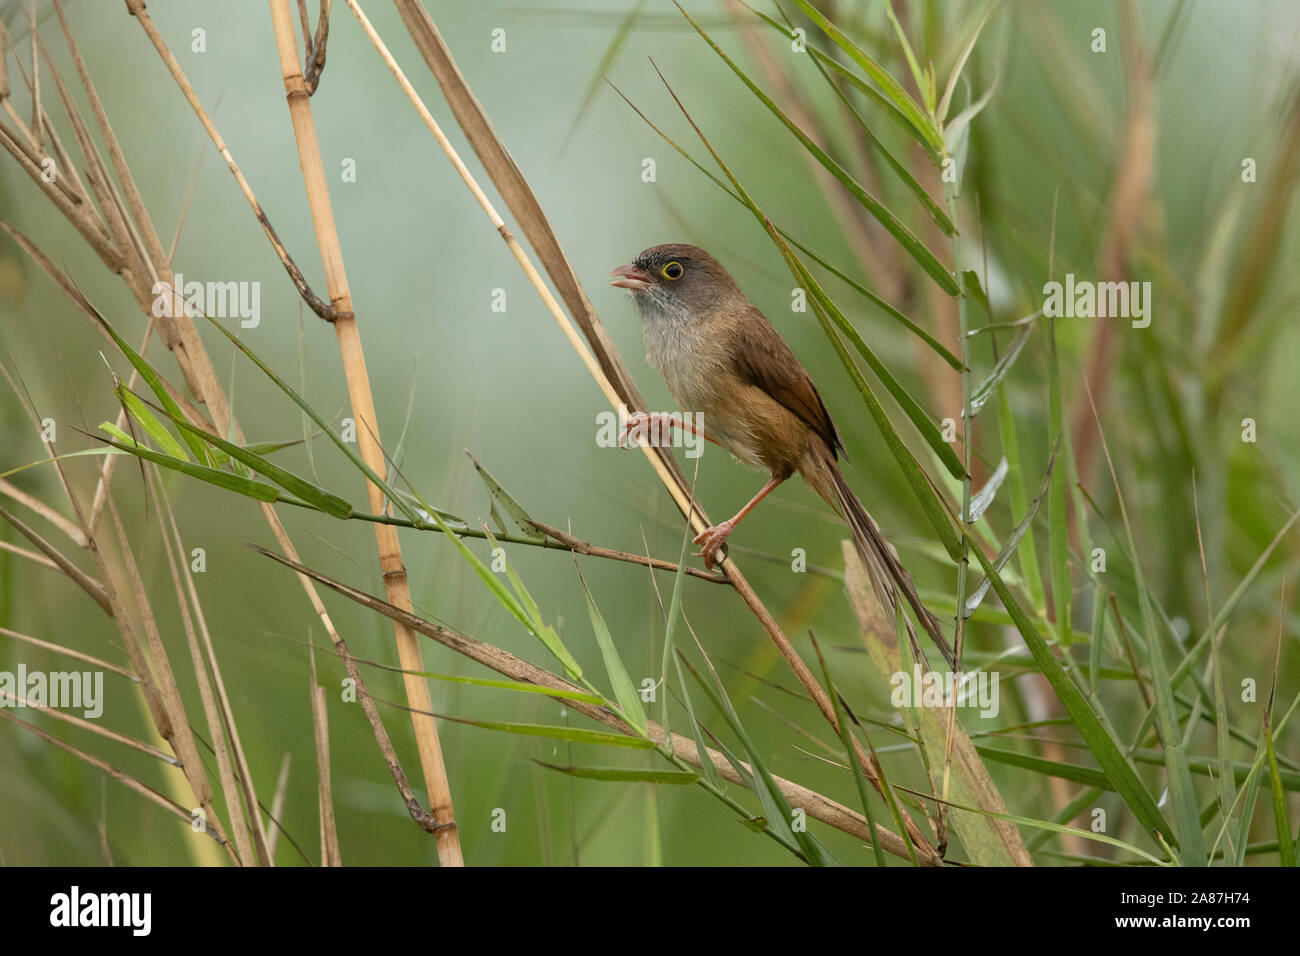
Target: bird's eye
point(672, 270)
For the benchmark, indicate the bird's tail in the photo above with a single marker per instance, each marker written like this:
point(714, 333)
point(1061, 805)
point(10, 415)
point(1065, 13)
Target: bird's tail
point(883, 567)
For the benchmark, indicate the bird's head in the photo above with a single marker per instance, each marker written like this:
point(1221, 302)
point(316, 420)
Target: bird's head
point(675, 281)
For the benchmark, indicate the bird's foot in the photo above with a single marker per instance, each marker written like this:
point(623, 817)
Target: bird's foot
point(713, 539)
point(655, 426)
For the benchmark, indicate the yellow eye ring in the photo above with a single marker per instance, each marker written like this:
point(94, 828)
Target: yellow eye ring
point(672, 270)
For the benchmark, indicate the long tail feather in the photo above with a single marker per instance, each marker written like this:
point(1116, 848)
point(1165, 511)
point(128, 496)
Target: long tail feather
point(883, 566)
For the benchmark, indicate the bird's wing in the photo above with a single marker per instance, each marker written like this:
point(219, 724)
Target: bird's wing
point(767, 363)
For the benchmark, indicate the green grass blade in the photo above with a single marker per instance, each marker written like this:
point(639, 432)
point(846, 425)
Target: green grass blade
point(1019, 500)
point(248, 487)
point(625, 692)
point(942, 111)
point(679, 778)
point(1021, 531)
point(330, 503)
point(891, 87)
point(984, 391)
point(851, 757)
point(1182, 795)
point(151, 378)
point(777, 808)
point(911, 407)
point(514, 685)
point(389, 492)
point(914, 246)
point(1281, 814)
point(981, 500)
point(1104, 747)
point(670, 627)
point(576, 735)
point(924, 81)
point(1075, 773)
point(513, 508)
point(155, 429)
point(1057, 522)
point(932, 208)
point(528, 611)
point(711, 773)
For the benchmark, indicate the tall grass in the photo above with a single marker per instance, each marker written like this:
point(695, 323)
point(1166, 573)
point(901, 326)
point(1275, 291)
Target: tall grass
point(1105, 542)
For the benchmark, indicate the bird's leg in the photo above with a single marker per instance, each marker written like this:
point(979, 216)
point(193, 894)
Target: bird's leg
point(713, 538)
point(663, 424)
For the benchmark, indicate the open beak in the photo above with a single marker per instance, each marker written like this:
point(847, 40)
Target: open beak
point(630, 277)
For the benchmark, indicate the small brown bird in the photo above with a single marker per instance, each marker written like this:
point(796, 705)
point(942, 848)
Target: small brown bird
point(720, 357)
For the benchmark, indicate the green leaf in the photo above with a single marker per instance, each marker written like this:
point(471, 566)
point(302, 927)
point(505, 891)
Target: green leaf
point(529, 613)
point(568, 694)
point(109, 427)
point(513, 508)
point(1058, 525)
point(248, 487)
point(942, 111)
point(914, 246)
point(670, 629)
point(149, 422)
point(854, 764)
point(577, 735)
point(917, 479)
point(389, 492)
point(1104, 747)
point(151, 379)
point(1048, 768)
point(891, 87)
point(932, 208)
point(775, 806)
point(629, 701)
point(1021, 530)
point(679, 778)
point(1020, 501)
point(318, 497)
point(870, 92)
point(711, 774)
point(911, 407)
point(1281, 814)
point(984, 391)
point(1182, 795)
point(984, 497)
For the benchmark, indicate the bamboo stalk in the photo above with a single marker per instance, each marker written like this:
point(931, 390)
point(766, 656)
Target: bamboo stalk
point(195, 365)
point(363, 408)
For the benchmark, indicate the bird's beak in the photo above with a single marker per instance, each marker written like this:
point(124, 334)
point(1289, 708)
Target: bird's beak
point(630, 277)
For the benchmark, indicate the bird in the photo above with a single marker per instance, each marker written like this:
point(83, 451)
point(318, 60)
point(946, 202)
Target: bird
point(725, 362)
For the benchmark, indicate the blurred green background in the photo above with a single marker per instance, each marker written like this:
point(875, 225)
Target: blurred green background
point(423, 263)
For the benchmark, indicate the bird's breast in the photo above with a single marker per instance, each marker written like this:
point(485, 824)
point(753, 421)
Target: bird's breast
point(701, 377)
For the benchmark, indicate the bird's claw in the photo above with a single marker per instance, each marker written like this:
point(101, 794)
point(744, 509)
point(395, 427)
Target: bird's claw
point(713, 540)
point(635, 422)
